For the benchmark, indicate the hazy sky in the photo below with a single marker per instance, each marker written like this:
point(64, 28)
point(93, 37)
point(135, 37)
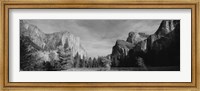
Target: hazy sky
point(98, 36)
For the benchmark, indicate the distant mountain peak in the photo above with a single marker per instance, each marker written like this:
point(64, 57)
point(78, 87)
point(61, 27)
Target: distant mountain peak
point(166, 26)
point(135, 37)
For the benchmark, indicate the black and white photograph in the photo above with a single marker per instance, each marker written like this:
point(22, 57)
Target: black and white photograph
point(99, 45)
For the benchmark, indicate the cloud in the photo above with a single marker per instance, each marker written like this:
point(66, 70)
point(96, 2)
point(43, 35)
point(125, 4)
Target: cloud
point(98, 36)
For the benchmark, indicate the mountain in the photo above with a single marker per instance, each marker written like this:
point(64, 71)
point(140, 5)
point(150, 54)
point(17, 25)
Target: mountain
point(51, 41)
point(121, 48)
point(134, 37)
point(159, 49)
point(45, 47)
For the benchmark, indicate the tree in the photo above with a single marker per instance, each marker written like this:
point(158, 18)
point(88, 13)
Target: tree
point(77, 60)
point(66, 58)
point(89, 62)
point(94, 62)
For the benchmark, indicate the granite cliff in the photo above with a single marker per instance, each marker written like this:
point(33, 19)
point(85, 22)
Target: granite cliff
point(121, 49)
point(52, 41)
point(48, 47)
point(159, 49)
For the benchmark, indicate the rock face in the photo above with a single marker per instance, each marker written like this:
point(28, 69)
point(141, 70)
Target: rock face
point(34, 37)
point(64, 40)
point(159, 49)
point(134, 38)
point(120, 50)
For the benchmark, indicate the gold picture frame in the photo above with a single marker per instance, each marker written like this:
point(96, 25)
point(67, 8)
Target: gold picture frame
point(95, 86)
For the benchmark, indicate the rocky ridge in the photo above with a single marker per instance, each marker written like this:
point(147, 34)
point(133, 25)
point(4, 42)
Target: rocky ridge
point(159, 49)
point(47, 42)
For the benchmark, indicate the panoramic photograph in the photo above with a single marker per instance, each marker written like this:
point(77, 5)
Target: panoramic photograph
point(99, 45)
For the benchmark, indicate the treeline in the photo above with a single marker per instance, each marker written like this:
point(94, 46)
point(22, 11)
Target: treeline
point(90, 62)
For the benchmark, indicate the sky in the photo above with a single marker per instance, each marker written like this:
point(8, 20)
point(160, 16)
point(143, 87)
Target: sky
point(98, 36)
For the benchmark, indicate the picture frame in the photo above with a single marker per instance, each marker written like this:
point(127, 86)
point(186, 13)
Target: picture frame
point(110, 86)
